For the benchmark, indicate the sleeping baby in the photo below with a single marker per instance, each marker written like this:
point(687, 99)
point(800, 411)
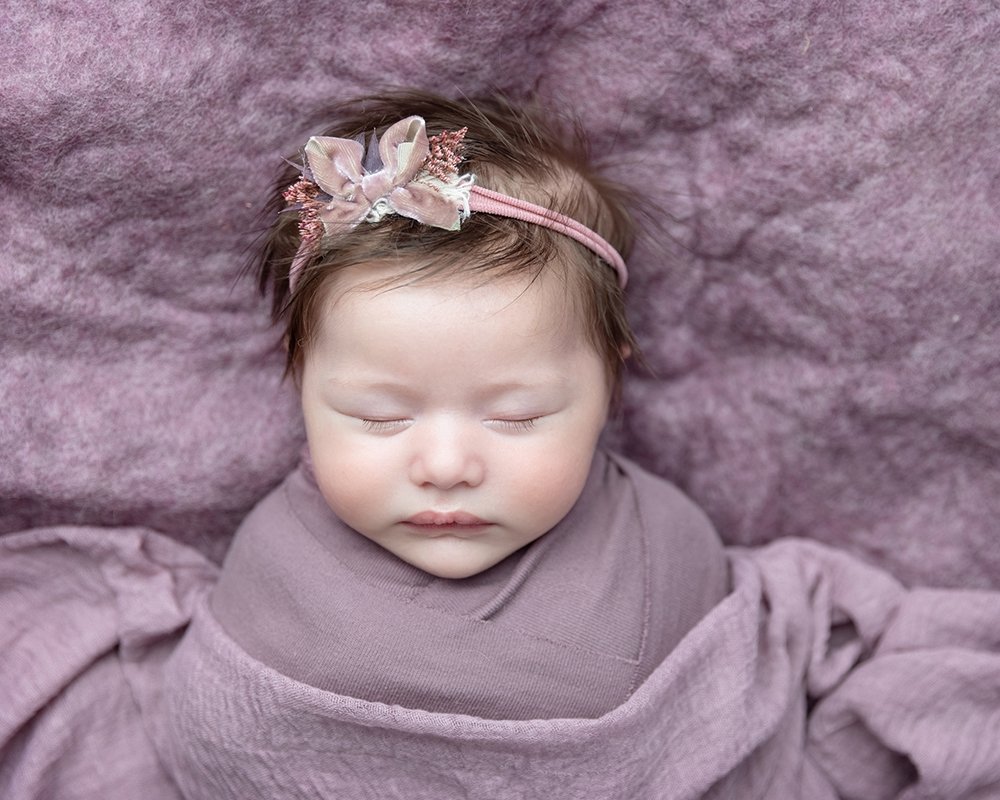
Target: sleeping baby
point(449, 277)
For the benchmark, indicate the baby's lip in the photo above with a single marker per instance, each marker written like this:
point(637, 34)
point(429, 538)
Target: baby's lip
point(442, 518)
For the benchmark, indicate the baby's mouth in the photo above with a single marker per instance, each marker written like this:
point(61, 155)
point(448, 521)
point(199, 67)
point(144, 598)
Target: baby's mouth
point(442, 523)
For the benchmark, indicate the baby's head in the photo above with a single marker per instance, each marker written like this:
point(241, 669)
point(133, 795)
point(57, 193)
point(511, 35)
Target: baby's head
point(454, 381)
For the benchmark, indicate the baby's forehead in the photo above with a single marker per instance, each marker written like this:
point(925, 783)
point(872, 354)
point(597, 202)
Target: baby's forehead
point(541, 301)
point(517, 321)
point(547, 311)
point(449, 338)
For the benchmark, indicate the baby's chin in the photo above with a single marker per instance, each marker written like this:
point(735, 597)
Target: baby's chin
point(452, 558)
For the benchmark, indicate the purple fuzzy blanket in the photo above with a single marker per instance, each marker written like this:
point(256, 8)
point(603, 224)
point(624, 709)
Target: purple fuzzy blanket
point(819, 305)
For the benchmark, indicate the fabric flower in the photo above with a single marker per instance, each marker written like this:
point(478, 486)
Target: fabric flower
point(389, 179)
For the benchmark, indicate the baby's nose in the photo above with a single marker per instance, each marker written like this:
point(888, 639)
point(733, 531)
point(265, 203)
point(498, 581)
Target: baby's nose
point(447, 455)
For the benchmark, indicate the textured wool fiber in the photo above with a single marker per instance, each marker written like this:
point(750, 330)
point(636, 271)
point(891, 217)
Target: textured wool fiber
point(818, 303)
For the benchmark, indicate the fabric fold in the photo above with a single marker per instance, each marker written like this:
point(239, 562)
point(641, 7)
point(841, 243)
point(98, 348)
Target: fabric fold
point(565, 627)
point(87, 616)
point(818, 677)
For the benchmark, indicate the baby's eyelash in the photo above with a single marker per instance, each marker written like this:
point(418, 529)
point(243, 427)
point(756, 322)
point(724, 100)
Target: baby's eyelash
point(382, 425)
point(517, 424)
point(390, 425)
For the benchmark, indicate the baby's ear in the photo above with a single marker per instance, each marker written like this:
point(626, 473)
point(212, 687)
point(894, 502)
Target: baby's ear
point(625, 351)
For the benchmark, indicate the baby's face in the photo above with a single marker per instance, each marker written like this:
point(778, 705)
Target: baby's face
point(449, 423)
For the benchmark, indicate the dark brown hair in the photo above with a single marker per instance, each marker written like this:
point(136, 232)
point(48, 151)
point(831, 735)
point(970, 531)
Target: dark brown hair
point(517, 151)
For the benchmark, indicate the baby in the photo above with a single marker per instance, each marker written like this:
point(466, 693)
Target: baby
point(450, 279)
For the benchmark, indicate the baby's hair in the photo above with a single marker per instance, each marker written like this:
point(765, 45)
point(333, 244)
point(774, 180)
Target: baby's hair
point(521, 152)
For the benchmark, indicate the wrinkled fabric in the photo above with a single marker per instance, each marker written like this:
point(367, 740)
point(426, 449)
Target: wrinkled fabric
point(568, 626)
point(818, 677)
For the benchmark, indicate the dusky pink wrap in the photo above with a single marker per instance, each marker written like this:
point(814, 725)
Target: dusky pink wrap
point(100, 696)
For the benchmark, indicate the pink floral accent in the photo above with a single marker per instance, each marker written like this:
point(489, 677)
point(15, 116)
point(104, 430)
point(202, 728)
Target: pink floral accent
point(445, 154)
point(302, 195)
point(347, 194)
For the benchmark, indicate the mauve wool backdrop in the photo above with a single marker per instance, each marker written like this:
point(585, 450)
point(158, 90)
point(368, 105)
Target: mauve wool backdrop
point(819, 303)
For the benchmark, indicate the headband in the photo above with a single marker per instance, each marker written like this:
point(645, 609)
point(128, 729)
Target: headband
point(344, 184)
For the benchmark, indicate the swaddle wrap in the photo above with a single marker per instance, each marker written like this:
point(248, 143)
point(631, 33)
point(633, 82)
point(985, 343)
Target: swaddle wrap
point(816, 677)
point(567, 627)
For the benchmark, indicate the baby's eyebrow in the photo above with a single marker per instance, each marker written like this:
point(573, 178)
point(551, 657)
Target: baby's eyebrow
point(512, 386)
point(394, 389)
point(487, 391)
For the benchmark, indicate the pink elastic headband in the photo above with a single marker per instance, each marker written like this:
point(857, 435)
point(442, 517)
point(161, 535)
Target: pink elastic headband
point(502, 205)
point(344, 184)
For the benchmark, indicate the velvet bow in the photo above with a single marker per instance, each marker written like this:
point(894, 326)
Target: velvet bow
point(390, 178)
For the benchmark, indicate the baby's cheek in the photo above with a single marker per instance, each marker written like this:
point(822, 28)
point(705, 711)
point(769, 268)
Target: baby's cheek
point(551, 486)
point(351, 476)
point(357, 502)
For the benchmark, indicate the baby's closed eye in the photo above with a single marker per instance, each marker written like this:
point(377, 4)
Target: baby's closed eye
point(384, 425)
point(515, 425)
